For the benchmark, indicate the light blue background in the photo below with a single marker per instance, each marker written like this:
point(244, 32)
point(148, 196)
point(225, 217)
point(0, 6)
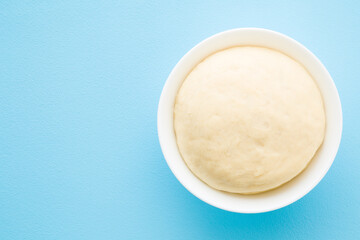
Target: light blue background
point(79, 87)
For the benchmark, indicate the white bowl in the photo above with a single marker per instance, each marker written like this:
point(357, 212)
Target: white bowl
point(297, 187)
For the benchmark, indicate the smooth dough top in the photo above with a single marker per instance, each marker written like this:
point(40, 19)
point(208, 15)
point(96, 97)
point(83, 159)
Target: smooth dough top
point(248, 119)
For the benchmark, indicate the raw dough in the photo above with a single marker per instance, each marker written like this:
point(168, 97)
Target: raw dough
point(248, 119)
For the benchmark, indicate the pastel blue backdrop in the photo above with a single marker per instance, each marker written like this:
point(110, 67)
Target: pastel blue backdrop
point(79, 87)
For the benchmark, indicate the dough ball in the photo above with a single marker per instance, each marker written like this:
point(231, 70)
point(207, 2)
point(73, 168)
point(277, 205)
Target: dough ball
point(248, 119)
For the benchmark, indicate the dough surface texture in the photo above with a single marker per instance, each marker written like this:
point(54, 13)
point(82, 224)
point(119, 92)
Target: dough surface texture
point(248, 119)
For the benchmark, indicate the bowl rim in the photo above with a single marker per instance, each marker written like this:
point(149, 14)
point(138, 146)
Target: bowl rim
point(161, 130)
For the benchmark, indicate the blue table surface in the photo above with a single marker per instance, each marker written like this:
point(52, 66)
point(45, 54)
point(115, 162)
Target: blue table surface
point(79, 87)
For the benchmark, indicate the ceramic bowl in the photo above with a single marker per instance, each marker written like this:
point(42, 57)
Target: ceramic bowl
point(294, 189)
